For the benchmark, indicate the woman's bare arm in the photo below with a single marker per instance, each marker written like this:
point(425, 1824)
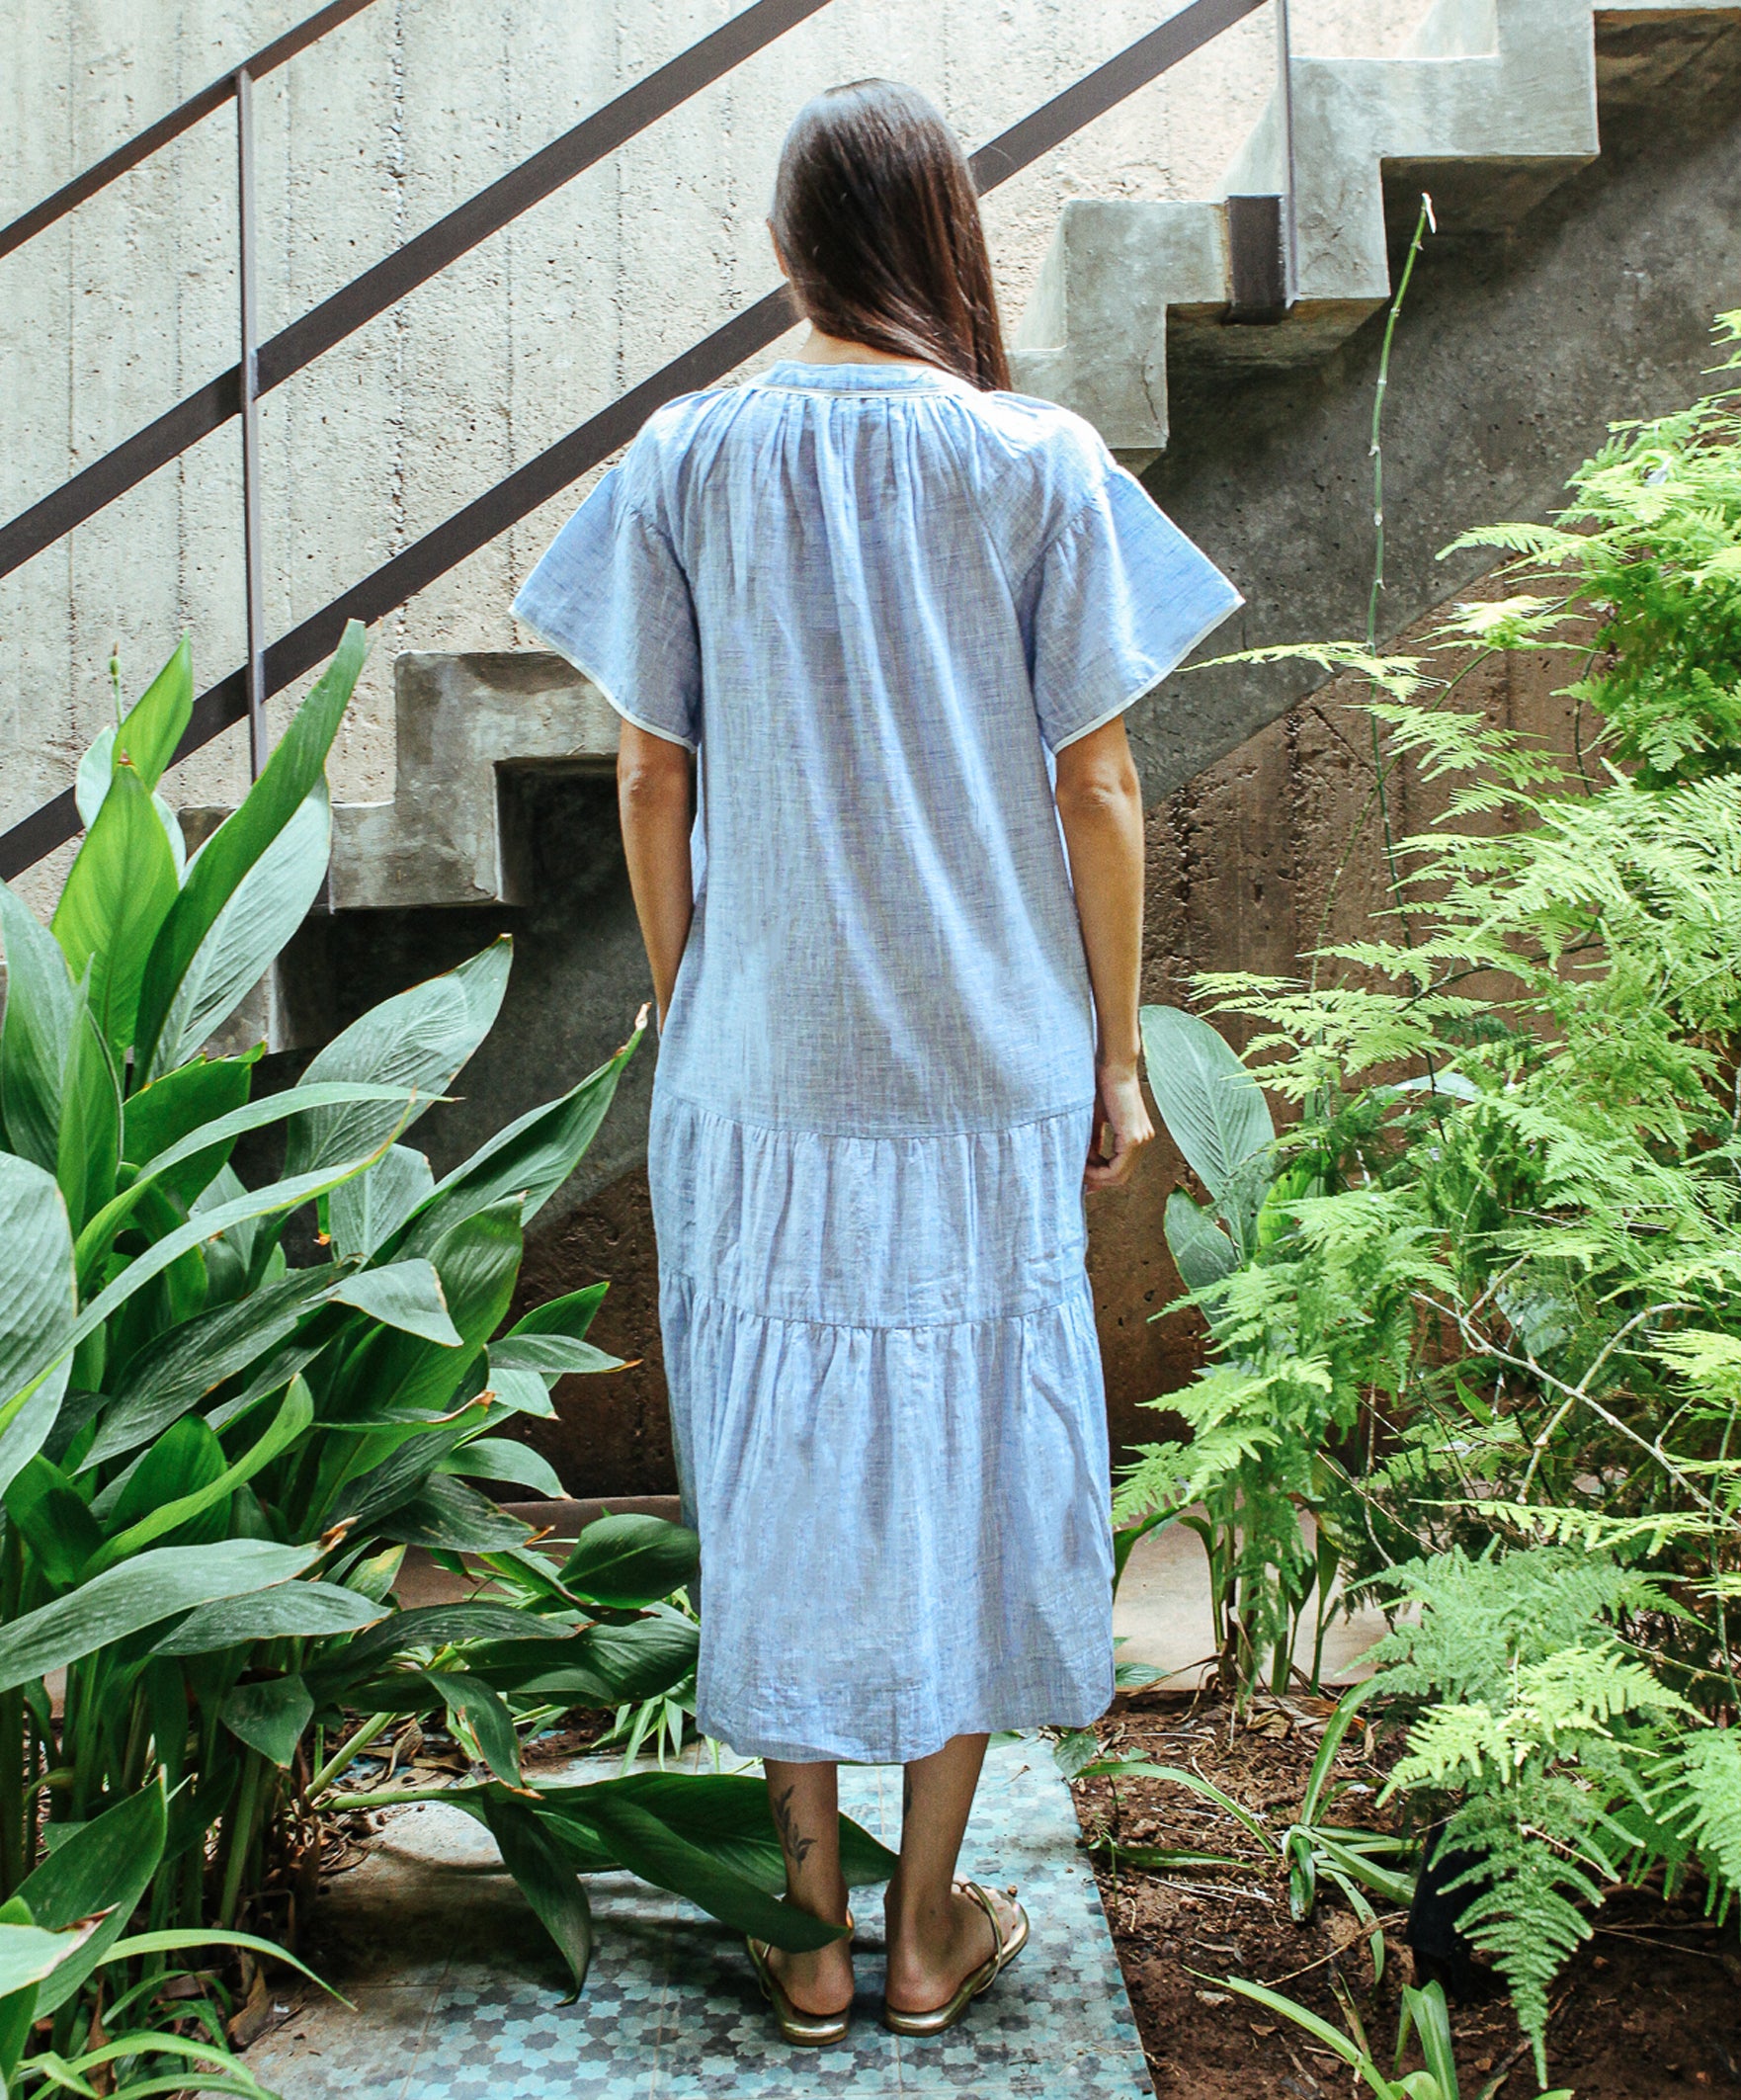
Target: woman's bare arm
point(653, 802)
point(1099, 805)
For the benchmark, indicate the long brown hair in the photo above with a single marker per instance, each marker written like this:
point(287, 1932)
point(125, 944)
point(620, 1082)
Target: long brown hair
point(878, 221)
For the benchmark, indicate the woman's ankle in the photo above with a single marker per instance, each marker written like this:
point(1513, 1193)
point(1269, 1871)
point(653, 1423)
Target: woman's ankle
point(831, 1906)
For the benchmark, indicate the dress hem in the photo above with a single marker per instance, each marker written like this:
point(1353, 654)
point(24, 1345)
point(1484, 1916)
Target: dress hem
point(849, 1751)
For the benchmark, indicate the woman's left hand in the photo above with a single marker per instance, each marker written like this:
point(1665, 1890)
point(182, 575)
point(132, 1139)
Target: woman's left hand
point(1122, 1127)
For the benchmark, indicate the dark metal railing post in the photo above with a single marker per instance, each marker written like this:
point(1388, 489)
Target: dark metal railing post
point(1262, 229)
point(1289, 214)
point(249, 365)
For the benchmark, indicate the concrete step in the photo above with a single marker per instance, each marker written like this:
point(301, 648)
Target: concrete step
point(1495, 105)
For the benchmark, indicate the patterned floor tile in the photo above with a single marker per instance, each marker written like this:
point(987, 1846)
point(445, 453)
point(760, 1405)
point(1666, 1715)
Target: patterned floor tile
point(459, 1995)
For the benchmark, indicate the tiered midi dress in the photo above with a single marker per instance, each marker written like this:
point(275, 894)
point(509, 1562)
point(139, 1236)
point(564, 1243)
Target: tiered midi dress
point(876, 601)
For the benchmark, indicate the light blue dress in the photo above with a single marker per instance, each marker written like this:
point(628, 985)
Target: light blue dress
point(875, 600)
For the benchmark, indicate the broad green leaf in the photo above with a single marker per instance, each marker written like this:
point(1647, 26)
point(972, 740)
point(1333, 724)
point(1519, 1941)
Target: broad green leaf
point(126, 1600)
point(161, 1115)
point(294, 1415)
point(1201, 1252)
point(96, 770)
point(41, 1008)
point(521, 1393)
point(297, 1609)
point(499, 1459)
point(97, 1236)
point(367, 1212)
point(118, 892)
point(289, 779)
point(485, 1714)
point(105, 1866)
point(448, 1516)
point(406, 1295)
point(630, 1560)
point(547, 1880)
point(432, 1626)
point(89, 1149)
point(182, 1461)
point(658, 1854)
point(54, 1521)
point(477, 1262)
point(181, 1367)
point(600, 1666)
point(413, 1451)
point(572, 1314)
point(257, 919)
point(37, 1304)
point(530, 1159)
point(152, 727)
point(27, 1954)
point(269, 1716)
point(257, 1203)
point(730, 1816)
point(418, 1039)
point(1213, 1107)
point(551, 1355)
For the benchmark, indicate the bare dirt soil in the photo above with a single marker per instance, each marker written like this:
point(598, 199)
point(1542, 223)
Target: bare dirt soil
point(1651, 2006)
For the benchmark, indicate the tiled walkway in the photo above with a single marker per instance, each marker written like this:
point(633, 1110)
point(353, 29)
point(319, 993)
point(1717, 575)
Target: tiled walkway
point(459, 1997)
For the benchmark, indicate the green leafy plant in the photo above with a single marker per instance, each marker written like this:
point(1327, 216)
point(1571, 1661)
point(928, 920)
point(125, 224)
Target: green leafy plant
point(62, 1935)
point(1311, 1847)
point(1423, 2015)
point(214, 1456)
point(1240, 1489)
point(1505, 1271)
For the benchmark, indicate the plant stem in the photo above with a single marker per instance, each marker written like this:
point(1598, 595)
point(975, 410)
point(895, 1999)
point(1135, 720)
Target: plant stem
point(348, 1749)
point(241, 1837)
point(1422, 223)
point(15, 1843)
point(397, 1798)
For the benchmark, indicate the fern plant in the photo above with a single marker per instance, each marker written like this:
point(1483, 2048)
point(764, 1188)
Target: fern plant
point(1538, 1733)
point(1491, 1339)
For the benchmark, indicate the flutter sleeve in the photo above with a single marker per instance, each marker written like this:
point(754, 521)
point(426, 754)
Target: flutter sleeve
point(1117, 598)
point(611, 595)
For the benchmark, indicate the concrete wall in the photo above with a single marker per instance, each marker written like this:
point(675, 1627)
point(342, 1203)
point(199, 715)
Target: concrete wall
point(404, 113)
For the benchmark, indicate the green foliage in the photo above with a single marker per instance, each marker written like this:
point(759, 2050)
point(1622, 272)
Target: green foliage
point(1487, 1337)
point(215, 1453)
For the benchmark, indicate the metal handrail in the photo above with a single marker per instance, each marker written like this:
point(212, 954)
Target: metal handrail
point(387, 282)
point(548, 472)
point(182, 119)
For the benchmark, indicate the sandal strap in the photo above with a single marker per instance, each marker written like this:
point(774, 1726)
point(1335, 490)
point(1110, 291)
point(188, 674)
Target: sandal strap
point(982, 1897)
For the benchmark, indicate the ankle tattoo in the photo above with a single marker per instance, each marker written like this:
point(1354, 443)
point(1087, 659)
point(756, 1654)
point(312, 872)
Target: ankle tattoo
point(796, 1846)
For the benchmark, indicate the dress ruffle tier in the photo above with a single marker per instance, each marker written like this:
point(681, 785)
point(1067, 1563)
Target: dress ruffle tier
point(886, 1396)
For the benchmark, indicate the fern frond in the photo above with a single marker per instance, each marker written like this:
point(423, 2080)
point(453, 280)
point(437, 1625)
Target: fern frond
point(1699, 1797)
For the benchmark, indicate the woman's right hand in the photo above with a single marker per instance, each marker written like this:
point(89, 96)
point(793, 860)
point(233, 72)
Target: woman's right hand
point(1121, 1125)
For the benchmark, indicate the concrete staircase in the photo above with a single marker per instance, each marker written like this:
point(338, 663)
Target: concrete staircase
point(1496, 104)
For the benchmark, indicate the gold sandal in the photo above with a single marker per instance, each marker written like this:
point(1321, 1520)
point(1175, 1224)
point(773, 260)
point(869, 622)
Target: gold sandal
point(975, 1982)
point(803, 2030)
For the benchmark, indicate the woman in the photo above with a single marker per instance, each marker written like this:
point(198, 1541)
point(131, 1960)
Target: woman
point(899, 611)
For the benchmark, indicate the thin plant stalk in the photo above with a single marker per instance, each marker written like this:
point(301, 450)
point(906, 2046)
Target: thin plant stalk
point(1423, 221)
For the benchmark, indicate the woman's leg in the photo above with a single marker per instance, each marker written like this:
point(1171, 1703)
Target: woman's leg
point(936, 1934)
point(805, 1800)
